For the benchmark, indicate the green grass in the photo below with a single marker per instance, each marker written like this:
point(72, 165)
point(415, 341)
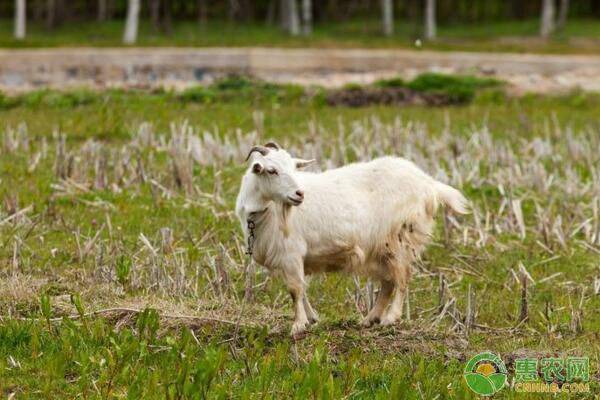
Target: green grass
point(459, 89)
point(456, 89)
point(52, 267)
point(175, 366)
point(579, 36)
point(109, 115)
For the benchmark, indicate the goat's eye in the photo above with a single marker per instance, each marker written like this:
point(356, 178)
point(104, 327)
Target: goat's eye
point(272, 171)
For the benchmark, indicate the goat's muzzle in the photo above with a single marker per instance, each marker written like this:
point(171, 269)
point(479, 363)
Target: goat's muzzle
point(297, 198)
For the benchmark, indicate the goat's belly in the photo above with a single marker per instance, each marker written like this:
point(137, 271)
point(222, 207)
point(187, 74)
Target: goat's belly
point(340, 259)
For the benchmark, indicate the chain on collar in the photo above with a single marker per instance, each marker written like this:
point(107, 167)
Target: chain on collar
point(251, 237)
point(251, 225)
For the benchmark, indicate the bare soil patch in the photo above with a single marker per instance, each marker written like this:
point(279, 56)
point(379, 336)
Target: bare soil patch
point(360, 97)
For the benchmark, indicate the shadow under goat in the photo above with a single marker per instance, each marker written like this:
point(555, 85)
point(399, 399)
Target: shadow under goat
point(371, 218)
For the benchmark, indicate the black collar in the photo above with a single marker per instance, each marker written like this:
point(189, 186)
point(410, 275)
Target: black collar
point(255, 215)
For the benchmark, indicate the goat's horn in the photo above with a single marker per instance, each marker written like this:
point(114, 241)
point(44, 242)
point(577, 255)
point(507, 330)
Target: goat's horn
point(272, 145)
point(261, 149)
point(300, 163)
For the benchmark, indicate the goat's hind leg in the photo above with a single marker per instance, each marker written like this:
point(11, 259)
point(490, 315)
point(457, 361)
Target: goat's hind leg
point(312, 315)
point(401, 279)
point(383, 298)
point(395, 311)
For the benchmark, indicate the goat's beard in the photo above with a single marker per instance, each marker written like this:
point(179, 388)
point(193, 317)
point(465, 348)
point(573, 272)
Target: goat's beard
point(286, 210)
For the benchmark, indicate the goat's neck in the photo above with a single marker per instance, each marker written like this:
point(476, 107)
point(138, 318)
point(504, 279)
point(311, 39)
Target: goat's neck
point(273, 219)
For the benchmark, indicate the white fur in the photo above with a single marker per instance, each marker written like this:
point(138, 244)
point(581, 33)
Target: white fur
point(371, 218)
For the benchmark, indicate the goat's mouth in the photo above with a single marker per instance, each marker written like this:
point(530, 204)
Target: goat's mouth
point(295, 201)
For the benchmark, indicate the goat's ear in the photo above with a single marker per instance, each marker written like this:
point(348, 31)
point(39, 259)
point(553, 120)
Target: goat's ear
point(300, 163)
point(257, 167)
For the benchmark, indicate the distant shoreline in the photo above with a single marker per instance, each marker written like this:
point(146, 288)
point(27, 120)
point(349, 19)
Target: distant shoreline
point(178, 67)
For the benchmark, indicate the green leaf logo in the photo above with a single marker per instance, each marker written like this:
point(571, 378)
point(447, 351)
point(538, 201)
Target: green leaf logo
point(485, 374)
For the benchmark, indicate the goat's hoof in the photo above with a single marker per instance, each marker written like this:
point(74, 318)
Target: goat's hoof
point(368, 322)
point(313, 319)
point(299, 328)
point(388, 321)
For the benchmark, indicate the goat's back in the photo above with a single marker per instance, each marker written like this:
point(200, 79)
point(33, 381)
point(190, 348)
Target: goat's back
point(364, 204)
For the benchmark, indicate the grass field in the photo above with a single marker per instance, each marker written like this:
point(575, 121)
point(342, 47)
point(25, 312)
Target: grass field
point(579, 36)
point(123, 273)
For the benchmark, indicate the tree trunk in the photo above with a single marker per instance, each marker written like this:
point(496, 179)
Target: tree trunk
point(60, 12)
point(271, 12)
point(202, 12)
point(293, 18)
point(167, 20)
point(20, 19)
point(234, 9)
point(155, 14)
point(38, 11)
point(430, 26)
point(102, 10)
point(131, 25)
point(50, 14)
point(306, 17)
point(547, 22)
point(290, 21)
point(387, 8)
point(517, 8)
point(563, 12)
point(247, 10)
point(284, 14)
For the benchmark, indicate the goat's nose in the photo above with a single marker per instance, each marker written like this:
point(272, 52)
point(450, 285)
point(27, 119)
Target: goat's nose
point(300, 193)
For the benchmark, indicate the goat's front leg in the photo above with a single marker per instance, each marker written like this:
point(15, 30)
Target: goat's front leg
point(294, 279)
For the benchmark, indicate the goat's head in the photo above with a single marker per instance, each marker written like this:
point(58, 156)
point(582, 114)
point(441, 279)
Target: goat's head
point(275, 169)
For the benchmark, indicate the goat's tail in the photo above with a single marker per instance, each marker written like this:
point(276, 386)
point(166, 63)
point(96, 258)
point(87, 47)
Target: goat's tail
point(452, 198)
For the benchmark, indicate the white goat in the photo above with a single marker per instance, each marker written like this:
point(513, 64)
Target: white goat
point(372, 218)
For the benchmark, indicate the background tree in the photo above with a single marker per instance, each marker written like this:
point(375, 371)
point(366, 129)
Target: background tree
point(563, 12)
point(155, 14)
point(202, 12)
point(160, 15)
point(166, 19)
point(37, 10)
point(387, 9)
point(20, 17)
point(50, 14)
point(56, 12)
point(131, 24)
point(289, 17)
point(102, 10)
point(306, 17)
point(304, 14)
point(234, 9)
point(430, 22)
point(547, 18)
